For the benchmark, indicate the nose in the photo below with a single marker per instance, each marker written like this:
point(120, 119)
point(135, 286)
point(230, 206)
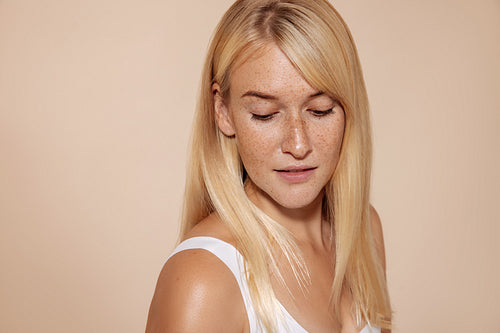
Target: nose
point(296, 139)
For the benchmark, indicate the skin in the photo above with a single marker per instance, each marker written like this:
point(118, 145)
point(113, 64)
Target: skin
point(278, 121)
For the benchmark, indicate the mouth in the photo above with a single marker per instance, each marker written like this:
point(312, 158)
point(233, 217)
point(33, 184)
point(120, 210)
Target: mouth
point(296, 169)
point(296, 174)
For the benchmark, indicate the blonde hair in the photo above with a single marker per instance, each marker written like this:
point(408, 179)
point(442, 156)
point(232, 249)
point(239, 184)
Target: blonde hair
point(317, 41)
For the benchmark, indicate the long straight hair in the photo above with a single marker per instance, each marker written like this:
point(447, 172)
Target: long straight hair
point(318, 43)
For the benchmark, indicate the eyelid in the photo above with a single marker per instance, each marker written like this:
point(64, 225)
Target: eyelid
point(263, 117)
point(321, 113)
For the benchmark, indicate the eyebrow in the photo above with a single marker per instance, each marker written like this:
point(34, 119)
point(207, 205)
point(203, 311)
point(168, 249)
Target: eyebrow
point(258, 94)
point(262, 95)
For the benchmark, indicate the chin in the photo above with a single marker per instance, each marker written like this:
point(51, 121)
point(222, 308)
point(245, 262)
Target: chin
point(295, 201)
point(284, 198)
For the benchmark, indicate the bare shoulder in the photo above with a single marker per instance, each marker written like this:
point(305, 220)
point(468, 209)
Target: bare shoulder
point(378, 236)
point(211, 226)
point(196, 292)
point(375, 223)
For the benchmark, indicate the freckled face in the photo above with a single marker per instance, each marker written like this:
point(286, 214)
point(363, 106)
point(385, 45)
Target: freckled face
point(288, 134)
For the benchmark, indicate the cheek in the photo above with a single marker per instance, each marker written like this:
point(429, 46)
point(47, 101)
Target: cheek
point(255, 145)
point(328, 139)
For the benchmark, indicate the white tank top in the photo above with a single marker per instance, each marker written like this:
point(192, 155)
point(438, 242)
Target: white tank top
point(234, 261)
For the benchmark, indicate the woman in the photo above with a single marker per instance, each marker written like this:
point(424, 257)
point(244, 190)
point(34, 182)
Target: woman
point(278, 234)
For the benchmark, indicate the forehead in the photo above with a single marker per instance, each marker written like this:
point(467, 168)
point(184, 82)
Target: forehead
point(268, 70)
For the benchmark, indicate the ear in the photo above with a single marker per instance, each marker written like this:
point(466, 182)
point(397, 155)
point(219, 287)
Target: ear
point(222, 117)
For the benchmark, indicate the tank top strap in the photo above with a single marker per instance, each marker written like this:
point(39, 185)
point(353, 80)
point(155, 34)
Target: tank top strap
point(232, 259)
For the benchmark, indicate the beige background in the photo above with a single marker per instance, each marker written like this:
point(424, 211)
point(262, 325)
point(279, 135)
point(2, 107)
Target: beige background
point(96, 100)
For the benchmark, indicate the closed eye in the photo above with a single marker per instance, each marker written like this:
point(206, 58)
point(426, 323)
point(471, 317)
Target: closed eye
point(321, 113)
point(262, 117)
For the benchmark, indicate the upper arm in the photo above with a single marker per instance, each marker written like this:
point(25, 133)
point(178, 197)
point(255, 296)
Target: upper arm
point(196, 292)
point(378, 237)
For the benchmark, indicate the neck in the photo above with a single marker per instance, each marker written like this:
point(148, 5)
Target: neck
point(305, 223)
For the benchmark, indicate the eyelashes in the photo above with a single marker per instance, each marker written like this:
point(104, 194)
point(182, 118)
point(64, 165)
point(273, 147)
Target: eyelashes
point(263, 117)
point(319, 113)
point(269, 116)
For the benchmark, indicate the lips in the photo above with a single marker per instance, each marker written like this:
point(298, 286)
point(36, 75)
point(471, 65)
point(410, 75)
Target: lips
point(296, 174)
